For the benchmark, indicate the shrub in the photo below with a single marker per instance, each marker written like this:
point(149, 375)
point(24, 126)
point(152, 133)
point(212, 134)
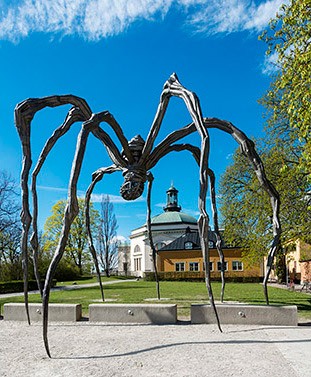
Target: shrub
point(200, 276)
point(18, 286)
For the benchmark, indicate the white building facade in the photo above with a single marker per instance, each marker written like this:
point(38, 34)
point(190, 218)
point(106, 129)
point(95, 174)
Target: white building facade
point(166, 227)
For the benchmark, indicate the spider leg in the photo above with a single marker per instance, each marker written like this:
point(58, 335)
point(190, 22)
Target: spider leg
point(164, 150)
point(96, 177)
point(248, 150)
point(23, 114)
point(203, 230)
point(71, 211)
point(217, 232)
point(154, 251)
point(112, 149)
point(174, 88)
point(73, 116)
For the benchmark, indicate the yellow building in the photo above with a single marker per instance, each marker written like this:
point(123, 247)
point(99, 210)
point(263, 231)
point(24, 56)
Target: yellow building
point(184, 255)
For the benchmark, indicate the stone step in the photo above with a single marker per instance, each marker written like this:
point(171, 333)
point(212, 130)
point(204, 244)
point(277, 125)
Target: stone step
point(133, 313)
point(246, 314)
point(57, 312)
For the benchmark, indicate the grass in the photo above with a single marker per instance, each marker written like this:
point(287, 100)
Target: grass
point(181, 293)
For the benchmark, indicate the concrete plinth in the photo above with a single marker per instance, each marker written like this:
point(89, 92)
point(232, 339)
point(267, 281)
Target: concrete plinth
point(57, 312)
point(246, 314)
point(133, 313)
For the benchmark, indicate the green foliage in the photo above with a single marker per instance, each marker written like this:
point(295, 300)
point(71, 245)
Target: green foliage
point(76, 258)
point(246, 207)
point(289, 98)
point(245, 210)
point(199, 276)
point(280, 267)
point(18, 286)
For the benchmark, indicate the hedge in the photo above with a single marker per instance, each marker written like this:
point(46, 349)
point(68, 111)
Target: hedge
point(18, 286)
point(200, 276)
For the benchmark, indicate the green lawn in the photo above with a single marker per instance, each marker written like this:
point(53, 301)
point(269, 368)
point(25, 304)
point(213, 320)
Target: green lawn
point(181, 293)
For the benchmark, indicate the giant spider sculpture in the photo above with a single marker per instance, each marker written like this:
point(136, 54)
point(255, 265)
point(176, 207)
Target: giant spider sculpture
point(135, 161)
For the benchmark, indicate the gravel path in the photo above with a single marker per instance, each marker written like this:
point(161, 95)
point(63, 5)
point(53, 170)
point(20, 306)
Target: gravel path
point(85, 349)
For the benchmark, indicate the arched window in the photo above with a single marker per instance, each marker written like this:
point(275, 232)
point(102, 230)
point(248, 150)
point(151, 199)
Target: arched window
point(137, 249)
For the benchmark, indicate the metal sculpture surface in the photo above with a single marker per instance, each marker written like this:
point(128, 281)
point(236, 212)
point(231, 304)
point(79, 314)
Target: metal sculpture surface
point(135, 161)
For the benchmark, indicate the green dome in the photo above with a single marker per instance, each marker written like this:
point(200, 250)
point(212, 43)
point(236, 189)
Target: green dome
point(173, 217)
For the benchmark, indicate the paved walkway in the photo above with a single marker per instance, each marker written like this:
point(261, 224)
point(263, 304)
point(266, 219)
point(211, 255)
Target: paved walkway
point(84, 349)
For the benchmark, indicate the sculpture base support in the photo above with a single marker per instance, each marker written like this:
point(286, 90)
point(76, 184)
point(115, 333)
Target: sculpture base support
point(57, 312)
point(246, 314)
point(134, 313)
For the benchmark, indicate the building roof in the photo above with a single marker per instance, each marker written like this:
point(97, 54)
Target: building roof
point(173, 217)
point(194, 238)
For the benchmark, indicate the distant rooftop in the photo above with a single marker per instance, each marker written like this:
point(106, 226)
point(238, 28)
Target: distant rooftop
point(173, 217)
point(192, 239)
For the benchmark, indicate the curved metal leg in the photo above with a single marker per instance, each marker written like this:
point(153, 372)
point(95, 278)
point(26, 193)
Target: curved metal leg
point(71, 212)
point(154, 252)
point(23, 114)
point(248, 149)
point(204, 228)
point(96, 177)
point(216, 230)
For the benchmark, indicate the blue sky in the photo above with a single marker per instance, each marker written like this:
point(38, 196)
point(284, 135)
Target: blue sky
point(117, 55)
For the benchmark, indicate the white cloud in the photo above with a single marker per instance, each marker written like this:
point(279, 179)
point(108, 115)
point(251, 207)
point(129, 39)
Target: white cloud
point(191, 212)
point(116, 199)
point(96, 19)
point(121, 239)
point(160, 205)
point(95, 198)
point(227, 16)
point(270, 66)
point(50, 188)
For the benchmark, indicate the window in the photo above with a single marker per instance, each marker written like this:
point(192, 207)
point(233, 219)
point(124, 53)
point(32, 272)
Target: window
point(180, 266)
point(188, 245)
point(136, 249)
point(237, 265)
point(137, 264)
point(194, 266)
point(219, 266)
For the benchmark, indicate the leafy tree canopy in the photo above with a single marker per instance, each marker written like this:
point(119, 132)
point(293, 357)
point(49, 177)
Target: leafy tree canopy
point(77, 245)
point(246, 208)
point(289, 98)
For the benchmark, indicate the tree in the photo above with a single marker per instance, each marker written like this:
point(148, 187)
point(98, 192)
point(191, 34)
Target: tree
point(77, 246)
point(245, 206)
point(107, 236)
point(286, 153)
point(289, 98)
point(10, 230)
point(9, 206)
point(10, 254)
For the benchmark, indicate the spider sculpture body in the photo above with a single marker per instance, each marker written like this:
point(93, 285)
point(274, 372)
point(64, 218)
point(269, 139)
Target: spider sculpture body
point(135, 162)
